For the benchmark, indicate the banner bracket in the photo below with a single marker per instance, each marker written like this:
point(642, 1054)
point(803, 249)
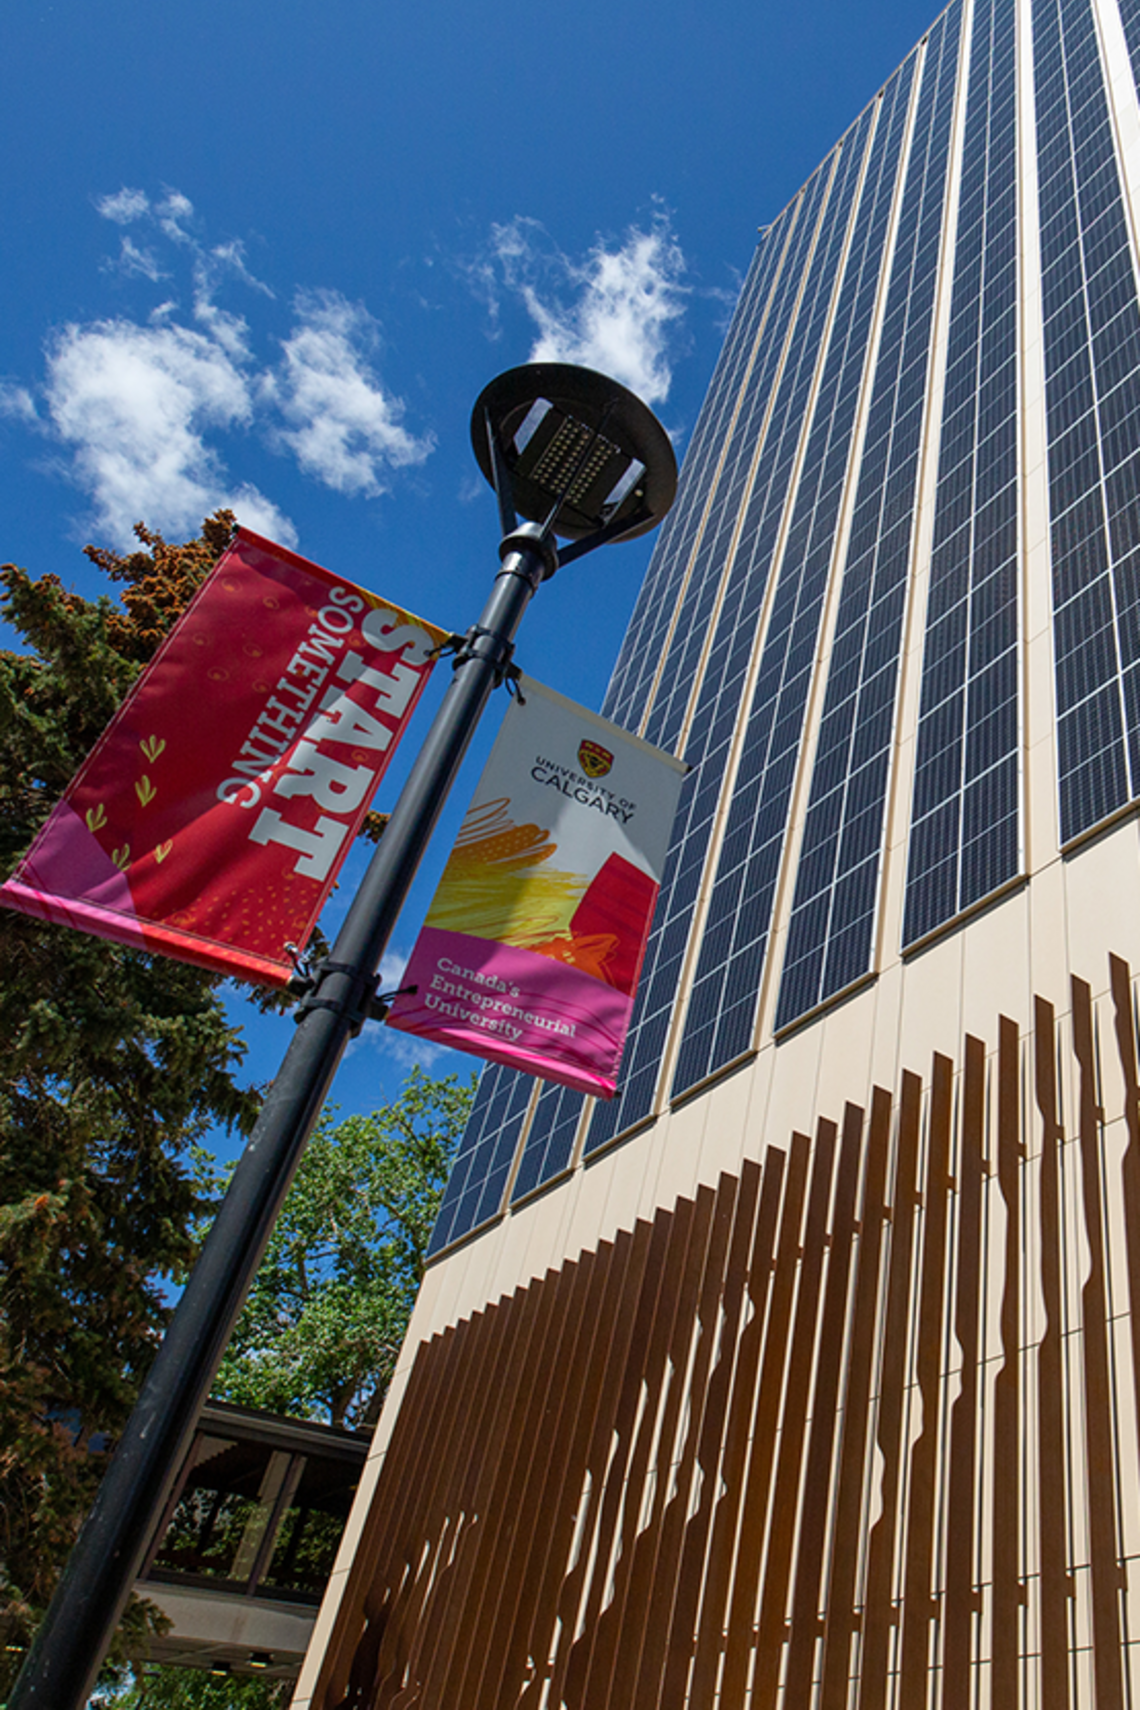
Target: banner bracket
point(358, 1005)
point(480, 643)
point(512, 676)
point(465, 647)
point(364, 1004)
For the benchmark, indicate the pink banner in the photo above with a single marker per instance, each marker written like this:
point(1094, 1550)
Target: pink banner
point(513, 1006)
point(212, 817)
point(534, 941)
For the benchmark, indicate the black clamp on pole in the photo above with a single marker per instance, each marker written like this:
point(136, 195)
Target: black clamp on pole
point(363, 1001)
point(358, 1004)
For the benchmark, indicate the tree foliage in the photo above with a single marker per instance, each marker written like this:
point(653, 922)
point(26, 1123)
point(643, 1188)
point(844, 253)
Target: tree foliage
point(115, 1065)
point(157, 1688)
point(330, 1304)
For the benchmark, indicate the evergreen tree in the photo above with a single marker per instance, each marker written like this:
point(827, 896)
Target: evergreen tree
point(115, 1064)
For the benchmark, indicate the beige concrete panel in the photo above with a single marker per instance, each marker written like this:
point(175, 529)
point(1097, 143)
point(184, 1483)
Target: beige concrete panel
point(1132, 1648)
point(1111, 1083)
point(793, 1093)
point(1035, 515)
point(777, 939)
point(522, 1252)
point(497, 1266)
point(470, 1278)
point(656, 1168)
point(1048, 936)
point(1041, 699)
point(995, 968)
point(538, 1233)
point(582, 1204)
point(931, 1004)
point(595, 1209)
point(1084, 1683)
point(845, 1056)
point(1040, 754)
point(533, 1238)
point(1082, 1636)
point(679, 1165)
point(886, 1065)
point(626, 1173)
point(892, 881)
point(731, 1131)
point(1123, 91)
point(629, 1173)
point(759, 1094)
point(428, 1308)
point(1076, 1259)
point(1102, 896)
point(445, 1288)
point(1042, 834)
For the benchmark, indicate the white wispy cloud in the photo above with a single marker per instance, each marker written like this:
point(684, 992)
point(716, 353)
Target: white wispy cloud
point(17, 402)
point(342, 425)
point(141, 405)
point(408, 1052)
point(172, 213)
point(133, 260)
point(404, 1050)
point(124, 206)
point(617, 311)
point(211, 270)
point(251, 507)
point(134, 404)
point(393, 964)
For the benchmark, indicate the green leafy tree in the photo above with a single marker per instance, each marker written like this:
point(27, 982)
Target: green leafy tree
point(157, 1688)
point(331, 1301)
point(115, 1064)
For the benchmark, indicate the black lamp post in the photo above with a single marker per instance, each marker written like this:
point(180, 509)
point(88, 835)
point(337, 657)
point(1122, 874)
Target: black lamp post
point(579, 457)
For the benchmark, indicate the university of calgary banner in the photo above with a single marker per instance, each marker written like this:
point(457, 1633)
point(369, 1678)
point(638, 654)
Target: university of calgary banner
point(533, 944)
point(211, 818)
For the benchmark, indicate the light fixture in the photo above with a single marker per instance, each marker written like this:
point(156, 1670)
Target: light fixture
point(219, 1667)
point(260, 1659)
point(575, 451)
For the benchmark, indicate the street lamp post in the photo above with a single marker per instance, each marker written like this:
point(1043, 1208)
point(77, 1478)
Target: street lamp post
point(583, 459)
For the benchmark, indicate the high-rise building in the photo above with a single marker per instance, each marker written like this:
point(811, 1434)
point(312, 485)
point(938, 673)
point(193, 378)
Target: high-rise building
point(806, 1372)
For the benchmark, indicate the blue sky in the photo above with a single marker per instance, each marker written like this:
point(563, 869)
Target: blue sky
point(269, 254)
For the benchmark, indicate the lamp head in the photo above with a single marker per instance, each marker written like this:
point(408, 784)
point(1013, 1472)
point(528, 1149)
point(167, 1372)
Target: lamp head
point(580, 452)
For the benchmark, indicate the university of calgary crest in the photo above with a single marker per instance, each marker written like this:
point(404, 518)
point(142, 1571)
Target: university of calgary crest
point(594, 760)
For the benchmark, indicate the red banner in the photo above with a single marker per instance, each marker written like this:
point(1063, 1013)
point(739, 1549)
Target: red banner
point(212, 817)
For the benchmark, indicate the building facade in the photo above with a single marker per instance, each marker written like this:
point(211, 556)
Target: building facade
point(806, 1371)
